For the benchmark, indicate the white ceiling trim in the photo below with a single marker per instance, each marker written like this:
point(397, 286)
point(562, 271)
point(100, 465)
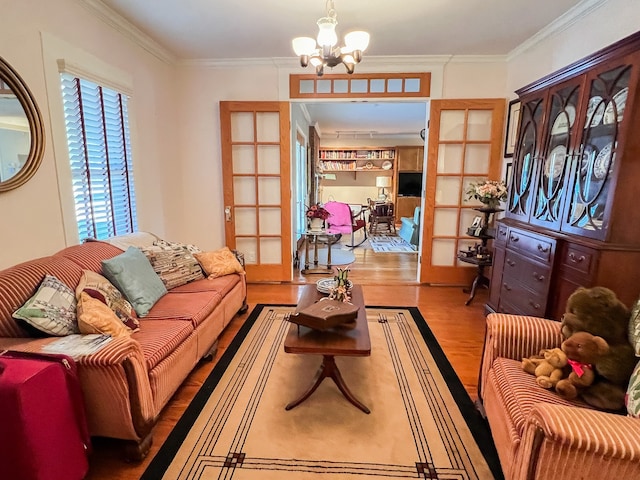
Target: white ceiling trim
point(561, 23)
point(128, 30)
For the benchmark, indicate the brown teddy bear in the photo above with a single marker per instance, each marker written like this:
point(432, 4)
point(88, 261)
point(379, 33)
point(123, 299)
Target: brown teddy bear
point(549, 367)
point(596, 310)
point(611, 368)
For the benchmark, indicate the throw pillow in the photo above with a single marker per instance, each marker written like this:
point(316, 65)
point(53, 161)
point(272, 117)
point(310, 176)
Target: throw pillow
point(52, 310)
point(633, 393)
point(174, 264)
point(96, 317)
point(634, 327)
point(219, 262)
point(101, 289)
point(188, 246)
point(132, 274)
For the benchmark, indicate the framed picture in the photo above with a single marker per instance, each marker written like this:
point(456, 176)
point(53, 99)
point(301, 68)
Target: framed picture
point(513, 119)
point(477, 222)
point(507, 173)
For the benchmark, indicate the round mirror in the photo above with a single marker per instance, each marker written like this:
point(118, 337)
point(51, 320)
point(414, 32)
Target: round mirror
point(21, 130)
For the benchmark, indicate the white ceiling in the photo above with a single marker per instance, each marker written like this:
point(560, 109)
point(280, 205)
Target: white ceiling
point(262, 29)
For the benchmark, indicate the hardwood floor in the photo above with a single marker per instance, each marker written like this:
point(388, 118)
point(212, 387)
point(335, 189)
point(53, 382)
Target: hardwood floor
point(458, 328)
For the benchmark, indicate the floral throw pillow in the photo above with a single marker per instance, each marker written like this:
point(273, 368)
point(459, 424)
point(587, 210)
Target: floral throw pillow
point(633, 393)
point(634, 327)
point(96, 317)
point(52, 310)
point(98, 287)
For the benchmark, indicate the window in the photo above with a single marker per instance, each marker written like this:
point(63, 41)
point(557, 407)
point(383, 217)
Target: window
point(97, 126)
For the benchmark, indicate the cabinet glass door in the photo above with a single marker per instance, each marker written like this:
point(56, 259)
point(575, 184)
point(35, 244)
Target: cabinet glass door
point(587, 209)
point(524, 164)
point(559, 140)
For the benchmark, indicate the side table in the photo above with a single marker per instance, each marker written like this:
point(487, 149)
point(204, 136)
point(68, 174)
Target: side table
point(312, 238)
point(481, 279)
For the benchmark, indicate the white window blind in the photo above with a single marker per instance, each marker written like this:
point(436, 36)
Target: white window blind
point(97, 127)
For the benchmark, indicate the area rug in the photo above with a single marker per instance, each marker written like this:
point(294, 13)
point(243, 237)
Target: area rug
point(422, 422)
point(391, 244)
point(340, 255)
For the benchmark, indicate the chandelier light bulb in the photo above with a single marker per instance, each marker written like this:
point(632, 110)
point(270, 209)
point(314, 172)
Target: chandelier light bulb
point(327, 52)
point(327, 36)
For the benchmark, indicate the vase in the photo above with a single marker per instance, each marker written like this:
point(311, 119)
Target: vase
point(316, 224)
point(492, 203)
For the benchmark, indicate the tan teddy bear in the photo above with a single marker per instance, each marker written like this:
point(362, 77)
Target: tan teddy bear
point(549, 367)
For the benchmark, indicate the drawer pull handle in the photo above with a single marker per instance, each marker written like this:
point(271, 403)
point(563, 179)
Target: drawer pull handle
point(542, 248)
point(538, 277)
point(534, 304)
point(513, 238)
point(506, 287)
point(575, 259)
point(503, 233)
point(510, 262)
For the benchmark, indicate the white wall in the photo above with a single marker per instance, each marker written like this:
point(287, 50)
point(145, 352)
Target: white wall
point(32, 222)
point(611, 21)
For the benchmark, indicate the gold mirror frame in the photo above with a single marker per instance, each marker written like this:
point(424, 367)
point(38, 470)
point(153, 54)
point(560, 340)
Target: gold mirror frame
point(36, 127)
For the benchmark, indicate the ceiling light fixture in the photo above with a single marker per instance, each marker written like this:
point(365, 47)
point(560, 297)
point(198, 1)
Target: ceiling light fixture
point(326, 52)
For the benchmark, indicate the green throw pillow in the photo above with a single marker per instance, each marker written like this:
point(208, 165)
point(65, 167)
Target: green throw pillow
point(133, 275)
point(633, 393)
point(52, 310)
point(634, 327)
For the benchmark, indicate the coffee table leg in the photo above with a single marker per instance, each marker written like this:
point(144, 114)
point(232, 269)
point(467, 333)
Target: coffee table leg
point(329, 369)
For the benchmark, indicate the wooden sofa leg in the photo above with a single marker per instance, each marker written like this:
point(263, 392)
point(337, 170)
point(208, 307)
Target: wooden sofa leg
point(210, 355)
point(244, 307)
point(137, 451)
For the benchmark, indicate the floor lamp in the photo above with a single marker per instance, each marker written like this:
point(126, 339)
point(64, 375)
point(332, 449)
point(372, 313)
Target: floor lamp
point(383, 182)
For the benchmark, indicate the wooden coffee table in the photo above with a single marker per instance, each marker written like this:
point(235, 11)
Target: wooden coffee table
point(348, 340)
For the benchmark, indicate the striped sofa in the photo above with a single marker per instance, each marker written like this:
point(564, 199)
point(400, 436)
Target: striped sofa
point(538, 434)
point(127, 383)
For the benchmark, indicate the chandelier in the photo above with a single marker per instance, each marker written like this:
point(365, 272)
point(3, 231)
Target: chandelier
point(326, 52)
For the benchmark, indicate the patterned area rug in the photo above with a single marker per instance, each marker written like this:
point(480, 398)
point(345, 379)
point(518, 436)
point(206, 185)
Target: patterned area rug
point(391, 244)
point(422, 422)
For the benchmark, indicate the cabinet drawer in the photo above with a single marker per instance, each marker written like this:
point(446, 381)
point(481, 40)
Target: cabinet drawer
point(502, 233)
point(532, 275)
point(580, 258)
point(538, 246)
point(524, 301)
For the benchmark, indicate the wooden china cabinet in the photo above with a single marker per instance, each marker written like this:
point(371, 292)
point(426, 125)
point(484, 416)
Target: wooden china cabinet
point(573, 211)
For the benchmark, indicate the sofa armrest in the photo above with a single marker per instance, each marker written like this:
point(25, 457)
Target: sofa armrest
point(516, 337)
point(561, 441)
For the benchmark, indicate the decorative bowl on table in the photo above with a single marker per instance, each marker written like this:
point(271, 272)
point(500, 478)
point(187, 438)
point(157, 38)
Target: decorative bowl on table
point(324, 285)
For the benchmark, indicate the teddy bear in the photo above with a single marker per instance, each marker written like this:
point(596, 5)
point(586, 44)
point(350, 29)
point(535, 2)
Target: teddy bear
point(549, 367)
point(606, 370)
point(596, 310)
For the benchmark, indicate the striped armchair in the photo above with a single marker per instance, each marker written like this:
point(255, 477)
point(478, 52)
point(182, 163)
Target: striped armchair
point(538, 434)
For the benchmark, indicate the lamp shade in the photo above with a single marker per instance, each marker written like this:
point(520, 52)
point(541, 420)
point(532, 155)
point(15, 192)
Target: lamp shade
point(383, 182)
point(303, 45)
point(357, 40)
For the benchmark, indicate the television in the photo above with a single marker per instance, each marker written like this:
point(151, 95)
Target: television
point(410, 184)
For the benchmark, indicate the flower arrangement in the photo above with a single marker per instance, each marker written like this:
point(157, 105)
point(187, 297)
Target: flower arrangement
point(316, 211)
point(340, 291)
point(489, 192)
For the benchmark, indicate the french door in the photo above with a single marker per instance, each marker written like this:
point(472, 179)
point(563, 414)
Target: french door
point(465, 145)
point(256, 170)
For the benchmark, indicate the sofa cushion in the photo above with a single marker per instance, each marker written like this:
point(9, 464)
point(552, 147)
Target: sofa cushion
point(221, 285)
point(174, 264)
point(133, 275)
point(100, 288)
point(159, 338)
point(193, 307)
point(52, 310)
point(96, 317)
point(219, 262)
point(519, 392)
point(633, 393)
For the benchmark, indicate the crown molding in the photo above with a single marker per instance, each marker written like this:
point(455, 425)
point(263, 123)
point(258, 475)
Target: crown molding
point(560, 24)
point(128, 30)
